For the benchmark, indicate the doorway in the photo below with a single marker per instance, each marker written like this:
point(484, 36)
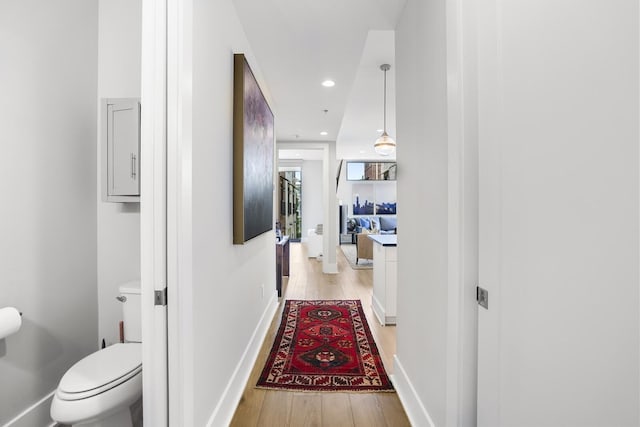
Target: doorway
point(290, 202)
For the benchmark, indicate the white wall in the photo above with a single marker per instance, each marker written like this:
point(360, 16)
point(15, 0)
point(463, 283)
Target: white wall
point(344, 188)
point(312, 212)
point(421, 111)
point(119, 56)
point(47, 180)
point(227, 279)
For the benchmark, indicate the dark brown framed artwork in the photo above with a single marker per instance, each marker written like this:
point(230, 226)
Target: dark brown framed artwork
point(253, 145)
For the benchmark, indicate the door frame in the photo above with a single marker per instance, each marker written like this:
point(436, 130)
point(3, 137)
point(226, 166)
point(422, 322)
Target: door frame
point(153, 211)
point(179, 211)
point(329, 199)
point(167, 199)
point(462, 204)
point(166, 211)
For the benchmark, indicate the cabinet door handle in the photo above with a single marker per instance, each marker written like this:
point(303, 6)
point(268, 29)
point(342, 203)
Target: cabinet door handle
point(133, 166)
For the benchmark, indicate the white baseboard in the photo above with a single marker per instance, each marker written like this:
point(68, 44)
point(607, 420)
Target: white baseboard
point(377, 310)
point(417, 413)
point(226, 407)
point(35, 415)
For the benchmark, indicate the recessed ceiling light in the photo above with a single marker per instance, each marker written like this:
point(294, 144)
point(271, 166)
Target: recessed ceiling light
point(323, 133)
point(328, 83)
point(379, 130)
point(362, 151)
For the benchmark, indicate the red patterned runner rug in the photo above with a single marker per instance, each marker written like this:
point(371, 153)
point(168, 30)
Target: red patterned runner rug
point(324, 345)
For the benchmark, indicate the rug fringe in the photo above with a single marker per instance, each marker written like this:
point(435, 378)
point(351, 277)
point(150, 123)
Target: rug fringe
point(304, 390)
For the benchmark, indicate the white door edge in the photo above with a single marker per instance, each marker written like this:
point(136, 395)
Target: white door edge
point(153, 212)
point(179, 211)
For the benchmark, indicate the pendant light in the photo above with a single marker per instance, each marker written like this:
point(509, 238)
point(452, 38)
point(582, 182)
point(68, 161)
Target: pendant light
point(385, 145)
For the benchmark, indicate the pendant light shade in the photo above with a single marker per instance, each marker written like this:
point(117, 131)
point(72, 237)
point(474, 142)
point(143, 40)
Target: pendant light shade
point(385, 145)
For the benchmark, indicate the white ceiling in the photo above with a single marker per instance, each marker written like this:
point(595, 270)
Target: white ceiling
point(363, 115)
point(300, 43)
point(292, 154)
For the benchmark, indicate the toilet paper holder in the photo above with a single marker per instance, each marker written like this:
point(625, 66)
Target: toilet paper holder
point(10, 321)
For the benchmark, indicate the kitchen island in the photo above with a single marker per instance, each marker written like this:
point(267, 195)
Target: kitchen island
point(385, 277)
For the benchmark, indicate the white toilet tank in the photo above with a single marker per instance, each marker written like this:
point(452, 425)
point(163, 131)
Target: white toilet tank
point(131, 310)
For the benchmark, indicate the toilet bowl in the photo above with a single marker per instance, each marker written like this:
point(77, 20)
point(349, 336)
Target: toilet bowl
point(99, 390)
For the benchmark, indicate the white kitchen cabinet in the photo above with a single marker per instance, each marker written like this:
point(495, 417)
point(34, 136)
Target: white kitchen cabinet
point(120, 150)
point(385, 277)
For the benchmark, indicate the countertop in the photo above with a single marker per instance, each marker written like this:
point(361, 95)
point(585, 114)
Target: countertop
point(384, 239)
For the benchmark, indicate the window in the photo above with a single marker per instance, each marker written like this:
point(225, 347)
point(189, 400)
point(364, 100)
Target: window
point(371, 171)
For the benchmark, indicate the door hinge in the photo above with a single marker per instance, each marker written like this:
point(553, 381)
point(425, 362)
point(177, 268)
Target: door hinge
point(482, 296)
point(160, 297)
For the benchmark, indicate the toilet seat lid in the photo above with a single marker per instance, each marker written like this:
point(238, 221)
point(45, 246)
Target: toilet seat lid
point(103, 369)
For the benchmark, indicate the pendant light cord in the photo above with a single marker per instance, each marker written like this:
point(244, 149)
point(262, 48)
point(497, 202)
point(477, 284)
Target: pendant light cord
point(384, 120)
point(385, 145)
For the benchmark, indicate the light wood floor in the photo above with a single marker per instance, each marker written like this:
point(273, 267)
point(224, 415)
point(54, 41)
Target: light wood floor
point(272, 408)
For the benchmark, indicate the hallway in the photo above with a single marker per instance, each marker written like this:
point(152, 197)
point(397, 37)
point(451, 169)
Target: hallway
point(260, 407)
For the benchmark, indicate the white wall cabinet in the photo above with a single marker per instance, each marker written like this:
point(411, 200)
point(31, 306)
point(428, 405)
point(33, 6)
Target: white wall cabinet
point(120, 150)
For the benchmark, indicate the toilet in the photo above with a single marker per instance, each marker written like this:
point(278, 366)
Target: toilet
point(99, 390)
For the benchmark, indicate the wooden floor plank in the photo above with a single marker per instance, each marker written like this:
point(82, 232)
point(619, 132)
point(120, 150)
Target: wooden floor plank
point(366, 410)
point(249, 408)
point(336, 410)
point(306, 410)
point(276, 409)
point(392, 410)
